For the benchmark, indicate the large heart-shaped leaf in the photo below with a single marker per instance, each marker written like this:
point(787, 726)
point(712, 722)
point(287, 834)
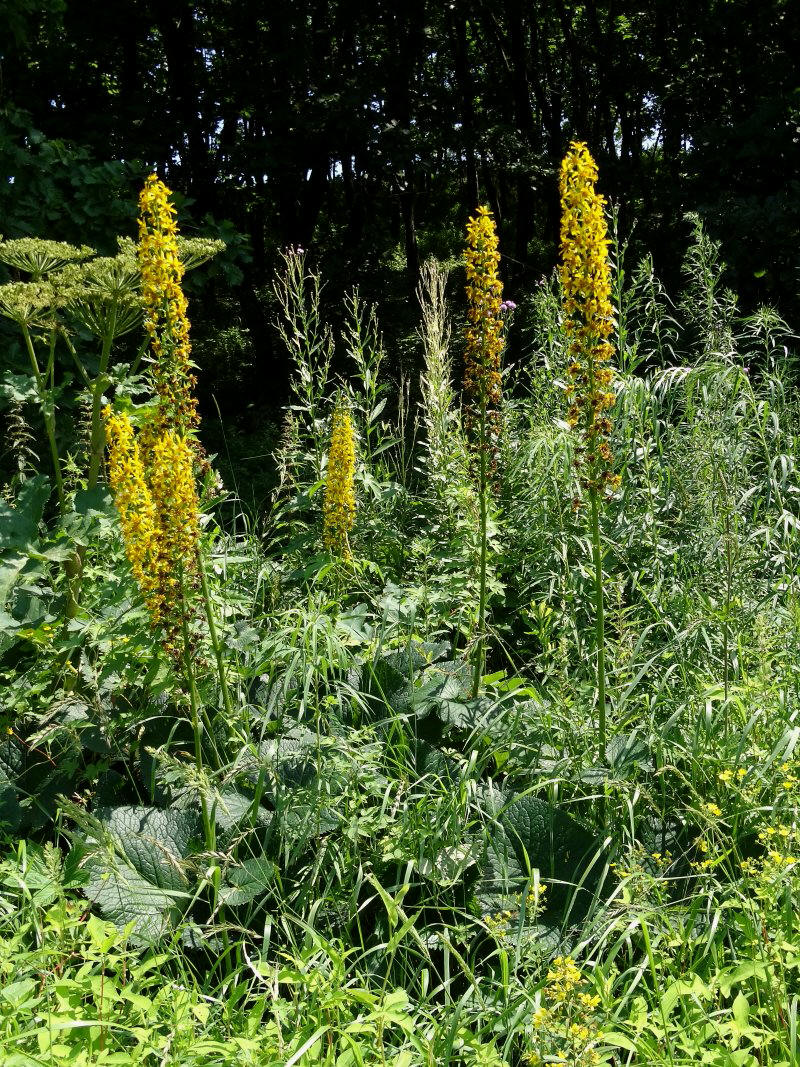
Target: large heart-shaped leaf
point(528, 833)
point(143, 875)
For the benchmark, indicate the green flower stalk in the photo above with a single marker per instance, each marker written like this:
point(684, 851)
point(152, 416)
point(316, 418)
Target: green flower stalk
point(482, 383)
point(585, 274)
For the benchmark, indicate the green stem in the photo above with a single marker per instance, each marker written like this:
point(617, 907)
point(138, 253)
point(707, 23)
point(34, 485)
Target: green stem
point(480, 651)
point(48, 415)
point(97, 438)
point(599, 622)
point(209, 828)
point(87, 381)
point(215, 643)
point(656, 987)
point(194, 704)
point(74, 566)
point(140, 355)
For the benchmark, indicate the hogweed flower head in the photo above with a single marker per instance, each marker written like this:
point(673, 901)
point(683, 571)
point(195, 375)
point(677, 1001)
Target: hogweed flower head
point(339, 507)
point(156, 498)
point(482, 381)
point(585, 274)
point(165, 307)
point(37, 256)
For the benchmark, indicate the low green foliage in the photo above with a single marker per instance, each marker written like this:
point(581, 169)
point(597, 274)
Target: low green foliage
point(393, 868)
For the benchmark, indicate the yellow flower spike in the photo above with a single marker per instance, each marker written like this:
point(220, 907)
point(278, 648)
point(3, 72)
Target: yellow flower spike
point(166, 320)
point(482, 381)
point(339, 507)
point(156, 499)
point(137, 511)
point(585, 274)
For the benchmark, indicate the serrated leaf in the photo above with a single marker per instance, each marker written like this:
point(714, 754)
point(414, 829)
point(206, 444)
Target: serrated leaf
point(146, 881)
point(531, 834)
point(19, 525)
point(248, 881)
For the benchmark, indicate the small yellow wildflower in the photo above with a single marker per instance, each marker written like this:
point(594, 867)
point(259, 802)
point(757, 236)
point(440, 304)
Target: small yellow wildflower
point(726, 775)
point(713, 809)
point(339, 507)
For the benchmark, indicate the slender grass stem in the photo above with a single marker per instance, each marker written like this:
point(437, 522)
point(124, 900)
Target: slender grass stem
point(654, 972)
point(599, 623)
point(214, 635)
point(209, 829)
point(96, 433)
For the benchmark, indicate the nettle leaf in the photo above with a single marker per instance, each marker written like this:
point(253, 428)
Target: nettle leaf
point(449, 866)
point(355, 625)
point(293, 754)
point(627, 753)
point(146, 876)
point(38, 775)
point(308, 813)
point(232, 808)
point(251, 879)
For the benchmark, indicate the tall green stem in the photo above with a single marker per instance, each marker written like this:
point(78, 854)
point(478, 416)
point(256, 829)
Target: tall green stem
point(480, 651)
point(47, 414)
point(599, 622)
point(96, 436)
point(74, 566)
point(215, 643)
point(209, 831)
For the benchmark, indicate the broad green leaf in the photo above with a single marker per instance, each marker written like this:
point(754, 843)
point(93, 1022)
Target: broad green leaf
point(19, 524)
point(147, 880)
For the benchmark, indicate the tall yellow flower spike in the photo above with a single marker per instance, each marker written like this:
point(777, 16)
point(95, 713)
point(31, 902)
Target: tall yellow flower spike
point(137, 511)
point(339, 507)
point(585, 275)
point(482, 382)
point(165, 305)
point(160, 520)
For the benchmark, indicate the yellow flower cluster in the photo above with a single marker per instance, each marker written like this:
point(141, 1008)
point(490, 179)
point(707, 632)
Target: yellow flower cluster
point(339, 508)
point(137, 511)
point(565, 1031)
point(158, 509)
point(165, 308)
point(498, 923)
point(482, 381)
point(585, 275)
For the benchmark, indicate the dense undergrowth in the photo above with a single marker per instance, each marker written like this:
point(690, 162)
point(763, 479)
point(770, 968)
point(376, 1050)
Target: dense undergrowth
point(367, 861)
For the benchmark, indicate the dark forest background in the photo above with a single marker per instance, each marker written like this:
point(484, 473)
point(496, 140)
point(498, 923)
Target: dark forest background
point(366, 132)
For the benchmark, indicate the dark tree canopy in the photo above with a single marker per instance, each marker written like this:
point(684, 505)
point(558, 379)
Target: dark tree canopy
point(359, 128)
